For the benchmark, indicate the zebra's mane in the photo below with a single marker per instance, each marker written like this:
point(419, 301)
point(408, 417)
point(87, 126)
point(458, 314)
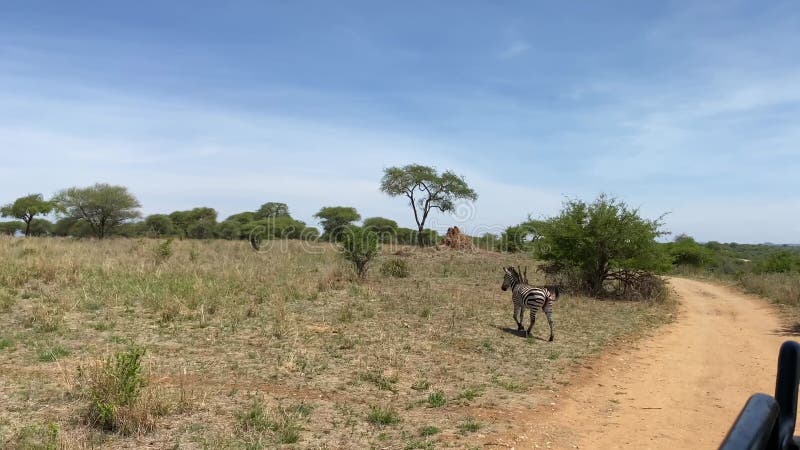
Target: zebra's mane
point(521, 278)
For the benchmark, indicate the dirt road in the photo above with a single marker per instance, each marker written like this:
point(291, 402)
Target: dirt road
point(680, 389)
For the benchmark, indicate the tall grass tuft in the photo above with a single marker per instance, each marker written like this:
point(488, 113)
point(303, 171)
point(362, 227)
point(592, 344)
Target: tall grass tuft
point(782, 288)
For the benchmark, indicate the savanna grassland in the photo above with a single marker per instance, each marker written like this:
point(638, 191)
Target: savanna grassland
point(278, 348)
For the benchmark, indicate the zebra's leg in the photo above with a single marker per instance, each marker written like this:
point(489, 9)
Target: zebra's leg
point(533, 321)
point(518, 311)
point(549, 313)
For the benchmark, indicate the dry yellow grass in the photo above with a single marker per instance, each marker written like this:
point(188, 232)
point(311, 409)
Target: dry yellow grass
point(281, 347)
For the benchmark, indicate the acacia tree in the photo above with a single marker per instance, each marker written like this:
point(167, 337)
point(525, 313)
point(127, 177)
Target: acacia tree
point(102, 206)
point(335, 220)
point(425, 190)
point(386, 229)
point(271, 210)
point(26, 208)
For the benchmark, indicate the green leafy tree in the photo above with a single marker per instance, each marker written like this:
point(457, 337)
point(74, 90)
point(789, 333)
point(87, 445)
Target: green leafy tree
point(70, 226)
point(780, 262)
point(685, 251)
point(488, 241)
point(201, 229)
point(277, 228)
point(272, 209)
point(158, 225)
point(131, 229)
point(27, 208)
point(601, 241)
point(335, 220)
point(229, 229)
point(425, 190)
point(385, 228)
point(519, 238)
point(11, 227)
point(40, 227)
point(186, 220)
point(359, 246)
point(242, 217)
point(103, 207)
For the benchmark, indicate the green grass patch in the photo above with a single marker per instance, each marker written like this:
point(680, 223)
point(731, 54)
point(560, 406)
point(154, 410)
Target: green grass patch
point(436, 399)
point(428, 430)
point(382, 416)
point(51, 354)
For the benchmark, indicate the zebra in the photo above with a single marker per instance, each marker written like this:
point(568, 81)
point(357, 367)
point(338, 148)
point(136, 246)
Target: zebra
point(526, 296)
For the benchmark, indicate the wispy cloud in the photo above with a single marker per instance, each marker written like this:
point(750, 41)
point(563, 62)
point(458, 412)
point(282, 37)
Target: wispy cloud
point(514, 49)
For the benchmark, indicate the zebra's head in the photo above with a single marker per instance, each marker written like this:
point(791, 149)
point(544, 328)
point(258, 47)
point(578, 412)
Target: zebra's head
point(510, 278)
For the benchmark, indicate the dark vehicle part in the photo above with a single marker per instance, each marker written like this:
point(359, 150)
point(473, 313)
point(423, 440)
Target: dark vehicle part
point(767, 423)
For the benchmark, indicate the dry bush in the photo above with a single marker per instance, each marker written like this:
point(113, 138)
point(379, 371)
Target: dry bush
point(335, 278)
point(44, 318)
point(395, 267)
point(620, 284)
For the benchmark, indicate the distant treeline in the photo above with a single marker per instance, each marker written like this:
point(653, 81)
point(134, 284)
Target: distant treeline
point(270, 221)
point(103, 210)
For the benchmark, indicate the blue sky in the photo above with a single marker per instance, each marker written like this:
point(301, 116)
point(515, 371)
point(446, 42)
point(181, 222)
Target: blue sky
point(691, 108)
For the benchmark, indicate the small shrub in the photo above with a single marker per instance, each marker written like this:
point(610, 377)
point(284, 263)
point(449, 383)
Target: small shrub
point(253, 418)
point(114, 388)
point(382, 416)
point(428, 431)
point(395, 268)
point(436, 399)
point(287, 431)
point(359, 246)
point(163, 251)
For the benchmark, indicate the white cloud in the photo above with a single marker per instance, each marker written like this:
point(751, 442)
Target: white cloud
point(514, 49)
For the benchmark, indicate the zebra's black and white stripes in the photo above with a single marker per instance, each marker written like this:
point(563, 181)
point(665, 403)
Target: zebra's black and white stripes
point(526, 296)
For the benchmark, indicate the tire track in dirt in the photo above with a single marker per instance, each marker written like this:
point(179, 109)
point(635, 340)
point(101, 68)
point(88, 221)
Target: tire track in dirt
point(679, 389)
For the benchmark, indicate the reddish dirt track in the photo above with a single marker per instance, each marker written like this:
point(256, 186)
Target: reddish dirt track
point(681, 388)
